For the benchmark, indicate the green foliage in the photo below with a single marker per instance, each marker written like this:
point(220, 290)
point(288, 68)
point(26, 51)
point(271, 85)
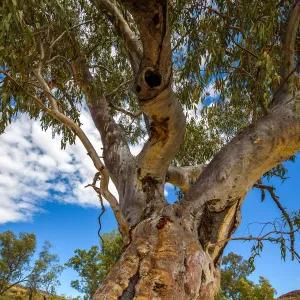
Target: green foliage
point(24, 25)
point(93, 265)
point(45, 272)
point(236, 286)
point(16, 265)
point(15, 256)
point(217, 47)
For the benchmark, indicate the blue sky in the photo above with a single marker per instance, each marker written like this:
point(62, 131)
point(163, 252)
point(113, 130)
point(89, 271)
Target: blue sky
point(42, 191)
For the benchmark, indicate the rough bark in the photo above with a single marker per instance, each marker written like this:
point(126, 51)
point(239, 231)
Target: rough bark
point(163, 261)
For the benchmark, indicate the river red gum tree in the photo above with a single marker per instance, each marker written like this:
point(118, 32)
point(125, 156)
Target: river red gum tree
point(171, 251)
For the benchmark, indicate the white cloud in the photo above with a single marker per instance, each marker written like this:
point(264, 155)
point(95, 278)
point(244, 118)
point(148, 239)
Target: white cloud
point(33, 169)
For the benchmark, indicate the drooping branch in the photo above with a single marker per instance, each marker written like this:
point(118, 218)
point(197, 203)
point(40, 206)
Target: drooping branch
point(184, 177)
point(123, 225)
point(133, 46)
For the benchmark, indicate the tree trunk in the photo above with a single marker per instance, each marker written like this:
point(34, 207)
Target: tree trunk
point(164, 260)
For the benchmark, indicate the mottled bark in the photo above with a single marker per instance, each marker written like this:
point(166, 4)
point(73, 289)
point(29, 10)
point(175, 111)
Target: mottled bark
point(164, 261)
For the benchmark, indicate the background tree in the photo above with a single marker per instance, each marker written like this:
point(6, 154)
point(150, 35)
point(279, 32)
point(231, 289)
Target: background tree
point(236, 286)
point(15, 256)
point(93, 265)
point(17, 264)
point(142, 68)
point(43, 277)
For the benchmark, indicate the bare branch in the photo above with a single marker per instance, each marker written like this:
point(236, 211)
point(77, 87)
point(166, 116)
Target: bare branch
point(133, 45)
point(97, 190)
point(289, 38)
point(265, 237)
point(275, 198)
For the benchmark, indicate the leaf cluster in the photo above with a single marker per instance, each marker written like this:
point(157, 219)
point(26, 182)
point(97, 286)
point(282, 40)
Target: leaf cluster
point(93, 265)
point(234, 282)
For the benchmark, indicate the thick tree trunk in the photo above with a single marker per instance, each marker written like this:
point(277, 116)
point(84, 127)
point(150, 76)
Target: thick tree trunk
point(165, 260)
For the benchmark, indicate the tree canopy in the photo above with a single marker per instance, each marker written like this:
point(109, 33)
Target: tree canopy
point(15, 257)
point(94, 264)
point(234, 282)
point(17, 264)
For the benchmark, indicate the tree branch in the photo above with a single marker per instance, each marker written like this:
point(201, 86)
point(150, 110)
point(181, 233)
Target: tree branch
point(184, 177)
point(288, 41)
point(153, 88)
point(54, 42)
point(222, 186)
point(132, 44)
point(123, 225)
point(289, 38)
point(55, 113)
point(118, 159)
point(114, 91)
point(265, 237)
point(124, 111)
point(275, 198)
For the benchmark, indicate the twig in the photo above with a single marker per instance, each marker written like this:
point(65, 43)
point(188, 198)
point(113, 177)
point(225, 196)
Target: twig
point(97, 190)
point(265, 237)
point(101, 67)
point(109, 94)
point(275, 198)
point(125, 112)
point(62, 35)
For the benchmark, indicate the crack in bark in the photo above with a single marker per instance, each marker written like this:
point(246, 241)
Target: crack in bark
point(129, 292)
